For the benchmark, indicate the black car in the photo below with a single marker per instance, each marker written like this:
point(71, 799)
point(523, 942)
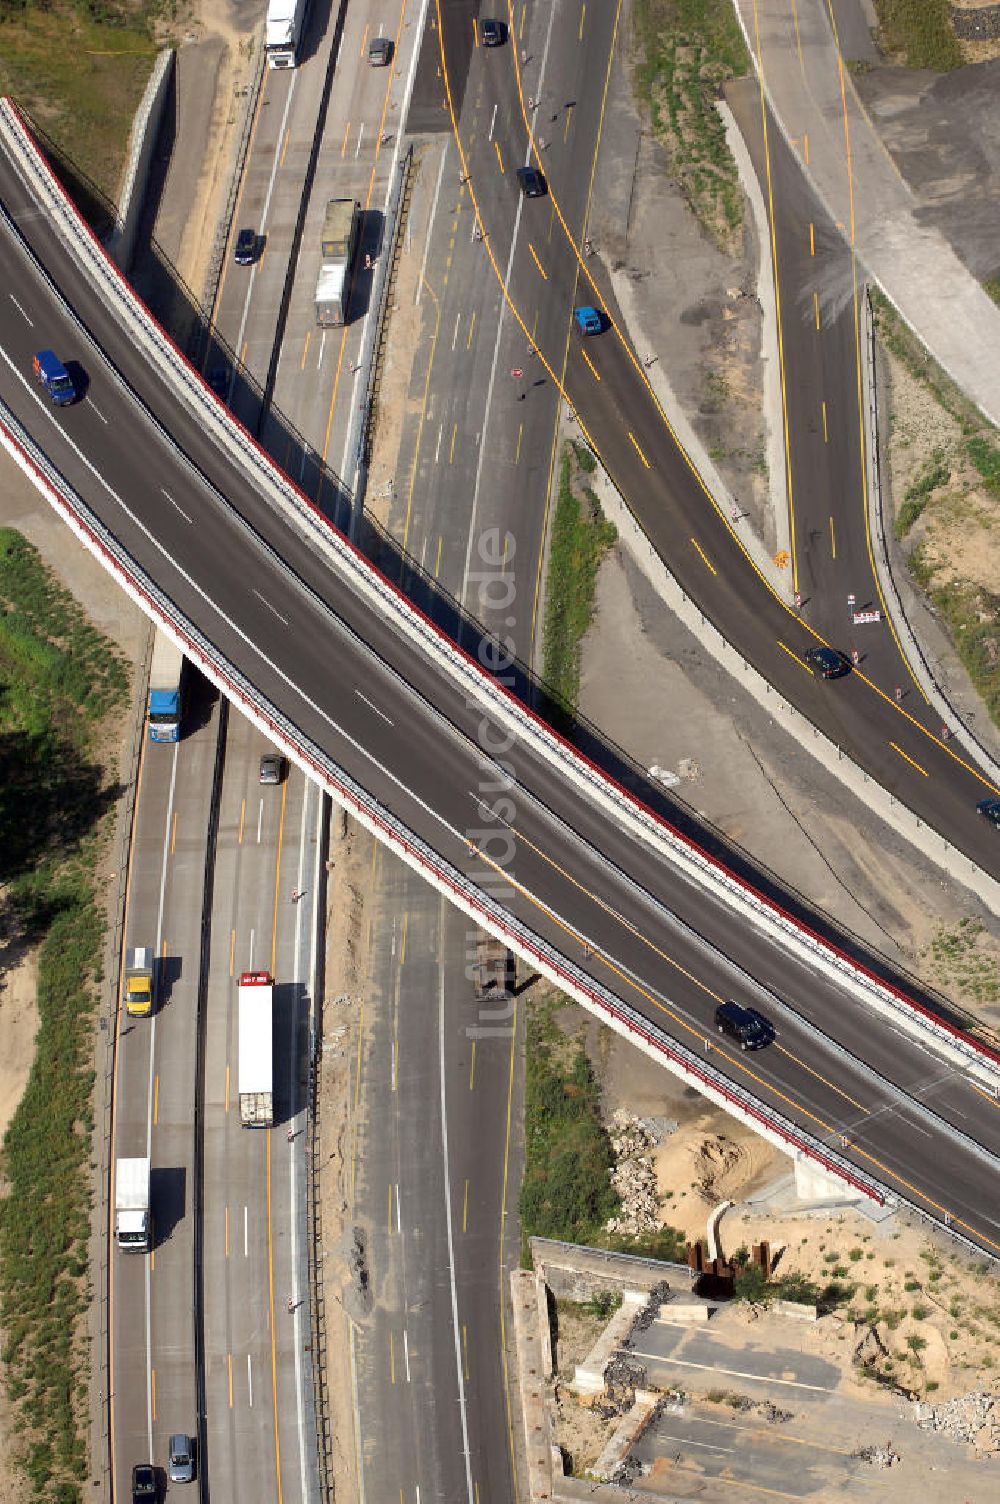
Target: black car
point(826, 663)
point(491, 33)
point(143, 1484)
point(245, 251)
point(750, 1028)
point(990, 810)
point(532, 182)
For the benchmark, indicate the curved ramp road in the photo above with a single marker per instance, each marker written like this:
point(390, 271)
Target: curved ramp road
point(491, 802)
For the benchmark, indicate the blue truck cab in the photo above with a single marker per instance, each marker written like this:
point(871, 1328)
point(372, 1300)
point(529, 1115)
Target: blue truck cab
point(55, 378)
point(588, 320)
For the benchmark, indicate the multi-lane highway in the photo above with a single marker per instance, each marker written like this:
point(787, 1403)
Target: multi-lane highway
point(387, 716)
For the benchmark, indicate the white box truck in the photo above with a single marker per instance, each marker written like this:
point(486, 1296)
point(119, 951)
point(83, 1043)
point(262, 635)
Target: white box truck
point(256, 1032)
point(132, 1220)
point(283, 31)
point(338, 245)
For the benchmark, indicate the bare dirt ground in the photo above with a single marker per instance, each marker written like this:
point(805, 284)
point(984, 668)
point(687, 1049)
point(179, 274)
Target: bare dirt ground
point(921, 1316)
point(346, 961)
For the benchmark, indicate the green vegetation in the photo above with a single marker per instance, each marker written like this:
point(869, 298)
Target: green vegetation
point(937, 472)
point(960, 964)
point(992, 288)
point(580, 537)
point(752, 1284)
point(58, 679)
point(969, 611)
point(920, 33)
point(79, 70)
point(687, 50)
point(566, 1192)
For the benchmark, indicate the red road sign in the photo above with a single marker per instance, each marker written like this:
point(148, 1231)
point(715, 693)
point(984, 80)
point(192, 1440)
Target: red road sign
point(861, 618)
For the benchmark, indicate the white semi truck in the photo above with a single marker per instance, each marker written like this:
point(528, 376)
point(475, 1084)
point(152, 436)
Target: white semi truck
point(283, 32)
point(338, 245)
point(256, 1033)
point(132, 1214)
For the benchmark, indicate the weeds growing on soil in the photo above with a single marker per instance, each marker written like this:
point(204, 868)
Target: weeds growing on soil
point(580, 538)
point(920, 33)
point(57, 680)
point(687, 50)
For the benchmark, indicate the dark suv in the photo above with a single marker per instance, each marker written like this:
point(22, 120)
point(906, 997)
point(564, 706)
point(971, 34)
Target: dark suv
point(144, 1488)
point(826, 663)
point(532, 182)
point(750, 1028)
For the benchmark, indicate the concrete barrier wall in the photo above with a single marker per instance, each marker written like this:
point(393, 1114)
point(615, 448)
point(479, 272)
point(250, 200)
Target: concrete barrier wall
point(142, 144)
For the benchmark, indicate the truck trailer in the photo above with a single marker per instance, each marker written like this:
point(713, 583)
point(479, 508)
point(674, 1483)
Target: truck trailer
point(283, 32)
point(338, 245)
point(132, 1220)
point(256, 1031)
point(137, 992)
point(166, 672)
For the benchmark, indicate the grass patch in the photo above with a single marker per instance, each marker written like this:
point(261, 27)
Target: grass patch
point(566, 1192)
point(580, 538)
point(752, 1284)
point(80, 70)
point(58, 680)
point(687, 50)
point(936, 473)
point(992, 288)
point(919, 32)
point(959, 963)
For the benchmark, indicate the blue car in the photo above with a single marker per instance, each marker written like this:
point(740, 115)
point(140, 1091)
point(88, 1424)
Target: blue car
point(588, 320)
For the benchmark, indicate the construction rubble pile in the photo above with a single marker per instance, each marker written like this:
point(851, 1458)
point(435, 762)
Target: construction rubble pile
point(974, 1418)
point(634, 1177)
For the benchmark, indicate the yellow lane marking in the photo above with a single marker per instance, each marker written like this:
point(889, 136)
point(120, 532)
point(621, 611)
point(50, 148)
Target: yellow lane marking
point(738, 1063)
point(820, 1077)
point(392, 1359)
point(451, 448)
point(704, 557)
point(472, 1068)
point(173, 834)
point(305, 349)
point(534, 257)
point(594, 371)
point(826, 431)
point(475, 32)
point(583, 17)
point(805, 148)
point(908, 759)
point(343, 144)
point(274, 1335)
point(520, 436)
point(569, 120)
point(635, 445)
point(992, 1100)
point(816, 309)
point(437, 561)
point(465, 1352)
point(833, 540)
point(284, 147)
point(465, 1208)
point(812, 239)
point(793, 654)
point(496, 148)
point(364, 41)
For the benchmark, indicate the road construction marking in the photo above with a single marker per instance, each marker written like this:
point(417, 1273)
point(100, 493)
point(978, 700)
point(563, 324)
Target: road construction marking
point(908, 759)
point(635, 445)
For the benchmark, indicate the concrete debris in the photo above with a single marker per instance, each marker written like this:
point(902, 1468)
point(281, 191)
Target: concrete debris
point(634, 1177)
point(622, 1378)
point(973, 1418)
point(882, 1457)
point(658, 1296)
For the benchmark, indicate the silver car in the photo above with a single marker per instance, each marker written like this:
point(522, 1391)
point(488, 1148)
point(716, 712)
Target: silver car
point(180, 1459)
